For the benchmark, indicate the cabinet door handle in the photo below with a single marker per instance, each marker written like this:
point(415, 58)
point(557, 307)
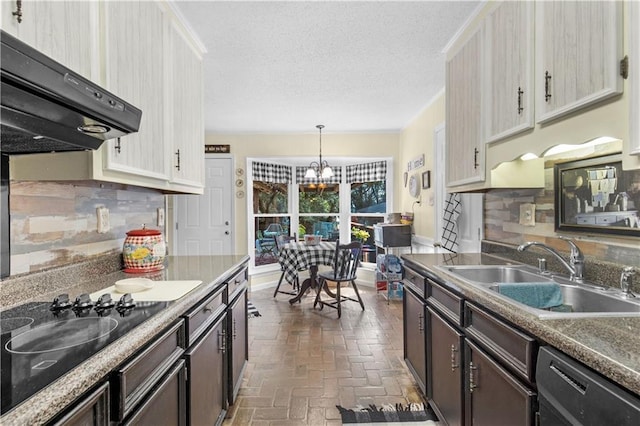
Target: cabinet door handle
point(420, 325)
point(547, 89)
point(117, 146)
point(454, 364)
point(222, 339)
point(520, 108)
point(472, 383)
point(476, 151)
point(234, 329)
point(178, 162)
point(18, 11)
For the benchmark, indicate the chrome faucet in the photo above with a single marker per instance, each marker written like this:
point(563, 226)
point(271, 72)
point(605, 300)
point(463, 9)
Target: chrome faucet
point(626, 280)
point(575, 266)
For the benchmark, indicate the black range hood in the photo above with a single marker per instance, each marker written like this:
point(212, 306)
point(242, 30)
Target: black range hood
point(47, 107)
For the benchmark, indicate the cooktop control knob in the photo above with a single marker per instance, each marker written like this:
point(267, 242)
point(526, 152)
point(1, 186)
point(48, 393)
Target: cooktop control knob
point(125, 305)
point(82, 306)
point(104, 305)
point(60, 303)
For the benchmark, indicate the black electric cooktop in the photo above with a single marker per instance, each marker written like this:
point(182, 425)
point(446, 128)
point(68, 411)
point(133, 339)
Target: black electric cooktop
point(42, 341)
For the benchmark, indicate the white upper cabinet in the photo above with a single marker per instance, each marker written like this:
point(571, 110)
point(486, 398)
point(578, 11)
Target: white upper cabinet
point(138, 51)
point(185, 95)
point(134, 70)
point(509, 70)
point(634, 77)
point(578, 53)
point(66, 31)
point(465, 145)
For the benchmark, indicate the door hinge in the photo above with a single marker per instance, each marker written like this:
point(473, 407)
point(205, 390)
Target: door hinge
point(624, 67)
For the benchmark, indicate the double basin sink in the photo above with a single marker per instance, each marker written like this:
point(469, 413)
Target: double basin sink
point(579, 299)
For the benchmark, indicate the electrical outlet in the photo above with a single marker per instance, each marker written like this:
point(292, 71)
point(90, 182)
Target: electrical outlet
point(160, 216)
point(103, 219)
point(528, 214)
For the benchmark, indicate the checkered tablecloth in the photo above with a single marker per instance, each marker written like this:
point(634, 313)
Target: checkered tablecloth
point(296, 257)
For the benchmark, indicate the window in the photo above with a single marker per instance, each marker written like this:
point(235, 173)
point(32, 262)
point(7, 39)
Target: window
point(271, 216)
point(368, 199)
point(354, 198)
point(315, 201)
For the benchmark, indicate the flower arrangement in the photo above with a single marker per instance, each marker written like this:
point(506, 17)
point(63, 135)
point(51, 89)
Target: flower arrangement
point(359, 234)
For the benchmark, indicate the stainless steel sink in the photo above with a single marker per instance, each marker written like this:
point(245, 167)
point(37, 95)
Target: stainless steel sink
point(579, 300)
point(490, 274)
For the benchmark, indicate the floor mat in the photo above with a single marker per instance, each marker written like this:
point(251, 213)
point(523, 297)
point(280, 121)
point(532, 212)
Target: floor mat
point(252, 311)
point(389, 414)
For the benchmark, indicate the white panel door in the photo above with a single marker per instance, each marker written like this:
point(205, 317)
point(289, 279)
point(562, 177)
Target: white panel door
point(204, 223)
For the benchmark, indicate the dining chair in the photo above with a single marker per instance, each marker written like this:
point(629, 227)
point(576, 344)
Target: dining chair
point(345, 265)
point(281, 240)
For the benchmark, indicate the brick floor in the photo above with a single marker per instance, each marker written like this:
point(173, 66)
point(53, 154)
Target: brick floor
point(304, 361)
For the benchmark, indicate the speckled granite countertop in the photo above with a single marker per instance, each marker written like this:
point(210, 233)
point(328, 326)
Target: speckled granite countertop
point(609, 345)
point(211, 270)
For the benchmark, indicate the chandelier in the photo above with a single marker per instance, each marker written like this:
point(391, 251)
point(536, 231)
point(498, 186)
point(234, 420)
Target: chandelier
point(319, 169)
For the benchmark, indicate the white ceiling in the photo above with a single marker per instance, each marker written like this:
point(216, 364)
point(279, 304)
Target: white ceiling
point(281, 67)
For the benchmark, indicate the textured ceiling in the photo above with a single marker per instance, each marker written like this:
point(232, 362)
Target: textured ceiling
point(280, 67)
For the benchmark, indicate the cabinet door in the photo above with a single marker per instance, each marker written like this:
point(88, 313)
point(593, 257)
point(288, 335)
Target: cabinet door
point(66, 31)
point(166, 404)
point(509, 41)
point(494, 397)
point(445, 345)
point(92, 409)
point(207, 377)
point(134, 67)
point(186, 105)
point(634, 77)
point(465, 142)
point(578, 50)
point(415, 338)
point(237, 334)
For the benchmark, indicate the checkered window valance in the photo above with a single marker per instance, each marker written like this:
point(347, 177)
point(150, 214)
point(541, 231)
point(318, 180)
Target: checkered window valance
point(302, 170)
point(274, 173)
point(368, 172)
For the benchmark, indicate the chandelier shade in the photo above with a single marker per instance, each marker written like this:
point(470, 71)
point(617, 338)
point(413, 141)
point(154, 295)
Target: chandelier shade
point(319, 169)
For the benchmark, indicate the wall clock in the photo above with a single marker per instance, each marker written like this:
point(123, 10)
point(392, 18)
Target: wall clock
point(414, 186)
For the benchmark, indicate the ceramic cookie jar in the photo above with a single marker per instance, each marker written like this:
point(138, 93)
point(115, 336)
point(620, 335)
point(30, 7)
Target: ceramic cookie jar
point(144, 250)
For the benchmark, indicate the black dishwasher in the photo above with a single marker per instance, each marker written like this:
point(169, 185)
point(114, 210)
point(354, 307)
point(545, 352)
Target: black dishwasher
point(571, 394)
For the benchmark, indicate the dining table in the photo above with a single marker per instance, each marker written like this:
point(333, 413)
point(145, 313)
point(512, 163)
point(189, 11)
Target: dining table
point(299, 256)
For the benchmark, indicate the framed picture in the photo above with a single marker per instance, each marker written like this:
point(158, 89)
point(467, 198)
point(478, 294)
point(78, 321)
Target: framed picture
point(596, 195)
point(426, 179)
point(406, 176)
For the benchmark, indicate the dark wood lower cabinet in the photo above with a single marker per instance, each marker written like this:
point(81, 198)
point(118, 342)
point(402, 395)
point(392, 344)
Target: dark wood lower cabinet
point(206, 390)
point(415, 337)
point(91, 410)
point(166, 404)
point(494, 396)
point(446, 347)
point(238, 342)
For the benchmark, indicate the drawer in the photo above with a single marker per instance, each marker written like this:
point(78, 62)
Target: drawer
point(515, 349)
point(417, 281)
point(447, 303)
point(203, 314)
point(137, 376)
point(236, 283)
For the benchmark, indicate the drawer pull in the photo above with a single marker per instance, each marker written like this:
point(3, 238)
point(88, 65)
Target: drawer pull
point(454, 364)
point(472, 383)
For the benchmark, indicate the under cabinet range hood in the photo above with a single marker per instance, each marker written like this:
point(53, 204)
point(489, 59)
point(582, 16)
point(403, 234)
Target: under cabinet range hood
point(47, 107)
